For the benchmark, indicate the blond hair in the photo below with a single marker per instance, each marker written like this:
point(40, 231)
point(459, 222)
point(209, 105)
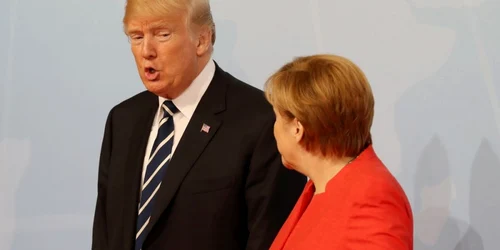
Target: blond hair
point(332, 99)
point(198, 11)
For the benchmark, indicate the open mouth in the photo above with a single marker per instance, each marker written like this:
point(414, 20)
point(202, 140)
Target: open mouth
point(151, 73)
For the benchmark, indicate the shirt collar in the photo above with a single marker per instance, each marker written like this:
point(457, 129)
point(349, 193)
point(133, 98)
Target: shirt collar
point(189, 99)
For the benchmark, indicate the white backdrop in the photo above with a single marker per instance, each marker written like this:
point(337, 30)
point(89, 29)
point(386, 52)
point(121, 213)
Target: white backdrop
point(434, 66)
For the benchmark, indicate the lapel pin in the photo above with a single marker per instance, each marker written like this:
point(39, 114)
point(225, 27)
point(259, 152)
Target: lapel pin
point(205, 128)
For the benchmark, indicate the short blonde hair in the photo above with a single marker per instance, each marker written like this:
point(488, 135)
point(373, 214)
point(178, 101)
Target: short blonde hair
point(198, 11)
point(331, 97)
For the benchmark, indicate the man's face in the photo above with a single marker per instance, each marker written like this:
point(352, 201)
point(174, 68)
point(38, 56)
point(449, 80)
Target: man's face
point(166, 53)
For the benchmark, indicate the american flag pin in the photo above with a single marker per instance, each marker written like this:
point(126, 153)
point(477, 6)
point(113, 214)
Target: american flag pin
point(205, 128)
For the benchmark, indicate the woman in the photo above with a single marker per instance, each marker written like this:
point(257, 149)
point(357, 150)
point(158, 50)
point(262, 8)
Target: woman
point(324, 111)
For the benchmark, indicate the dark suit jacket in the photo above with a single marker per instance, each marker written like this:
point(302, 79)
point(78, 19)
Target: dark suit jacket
point(225, 189)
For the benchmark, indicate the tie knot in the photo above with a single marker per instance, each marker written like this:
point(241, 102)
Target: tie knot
point(169, 109)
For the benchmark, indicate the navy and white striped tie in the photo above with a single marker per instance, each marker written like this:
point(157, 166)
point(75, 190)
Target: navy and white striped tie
point(161, 153)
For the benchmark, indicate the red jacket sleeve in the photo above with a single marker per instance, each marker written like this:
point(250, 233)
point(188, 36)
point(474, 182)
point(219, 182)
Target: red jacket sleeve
point(381, 220)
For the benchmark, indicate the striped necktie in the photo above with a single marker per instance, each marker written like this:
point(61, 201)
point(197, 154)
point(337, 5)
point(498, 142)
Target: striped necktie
point(161, 153)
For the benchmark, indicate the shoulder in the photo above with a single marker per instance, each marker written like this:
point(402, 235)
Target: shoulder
point(243, 98)
point(368, 176)
point(134, 105)
point(376, 193)
point(379, 210)
point(367, 182)
point(137, 101)
point(376, 184)
point(243, 92)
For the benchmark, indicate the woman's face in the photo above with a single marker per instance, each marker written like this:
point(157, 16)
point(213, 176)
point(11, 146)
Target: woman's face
point(288, 134)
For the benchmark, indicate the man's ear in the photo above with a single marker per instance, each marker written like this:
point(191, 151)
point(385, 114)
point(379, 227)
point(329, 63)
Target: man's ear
point(204, 40)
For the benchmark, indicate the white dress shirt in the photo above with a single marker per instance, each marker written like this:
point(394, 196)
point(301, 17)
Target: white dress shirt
point(186, 103)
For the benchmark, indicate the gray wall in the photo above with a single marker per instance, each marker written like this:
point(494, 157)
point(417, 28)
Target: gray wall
point(434, 66)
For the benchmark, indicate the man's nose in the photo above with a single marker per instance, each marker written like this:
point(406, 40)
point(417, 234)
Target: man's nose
point(148, 48)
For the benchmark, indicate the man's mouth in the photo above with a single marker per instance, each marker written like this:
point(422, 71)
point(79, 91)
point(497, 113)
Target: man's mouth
point(151, 73)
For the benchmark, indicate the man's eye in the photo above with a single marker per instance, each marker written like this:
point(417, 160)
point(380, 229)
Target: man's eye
point(135, 39)
point(163, 36)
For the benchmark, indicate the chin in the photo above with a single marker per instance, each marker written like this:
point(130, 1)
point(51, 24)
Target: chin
point(286, 164)
point(156, 87)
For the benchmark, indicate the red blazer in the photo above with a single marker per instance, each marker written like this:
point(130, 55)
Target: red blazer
point(363, 207)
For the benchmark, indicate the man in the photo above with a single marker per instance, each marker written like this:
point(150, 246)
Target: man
point(191, 163)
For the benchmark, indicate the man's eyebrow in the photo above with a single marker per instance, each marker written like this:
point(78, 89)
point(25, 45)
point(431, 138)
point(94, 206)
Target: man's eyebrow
point(160, 25)
point(152, 26)
point(129, 31)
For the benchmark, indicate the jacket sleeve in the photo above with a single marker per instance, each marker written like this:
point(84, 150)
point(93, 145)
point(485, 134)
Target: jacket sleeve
point(99, 230)
point(271, 191)
point(381, 220)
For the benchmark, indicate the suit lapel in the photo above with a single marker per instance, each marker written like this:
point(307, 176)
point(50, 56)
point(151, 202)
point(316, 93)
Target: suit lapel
point(146, 111)
point(192, 143)
point(291, 222)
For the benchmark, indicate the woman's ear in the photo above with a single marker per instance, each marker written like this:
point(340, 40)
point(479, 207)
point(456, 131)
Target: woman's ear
point(298, 130)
